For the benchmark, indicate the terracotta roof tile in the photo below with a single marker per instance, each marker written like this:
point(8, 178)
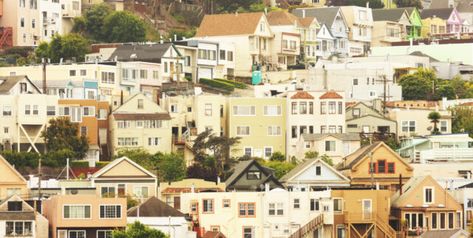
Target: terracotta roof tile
point(302, 95)
point(331, 95)
point(229, 24)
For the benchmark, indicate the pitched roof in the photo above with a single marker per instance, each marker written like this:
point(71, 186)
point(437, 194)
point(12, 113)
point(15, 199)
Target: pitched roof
point(242, 166)
point(9, 166)
point(442, 13)
point(388, 14)
point(115, 162)
point(444, 233)
point(213, 234)
point(302, 95)
point(324, 15)
point(305, 22)
point(439, 4)
point(420, 53)
point(229, 24)
point(281, 18)
point(331, 95)
point(306, 164)
point(7, 83)
point(147, 53)
point(340, 136)
point(153, 207)
point(352, 159)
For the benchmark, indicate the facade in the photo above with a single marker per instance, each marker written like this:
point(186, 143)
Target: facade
point(308, 28)
point(390, 25)
point(360, 24)
point(140, 123)
point(73, 216)
point(249, 175)
point(375, 165)
point(361, 118)
point(260, 123)
point(334, 145)
point(414, 31)
point(11, 182)
point(440, 21)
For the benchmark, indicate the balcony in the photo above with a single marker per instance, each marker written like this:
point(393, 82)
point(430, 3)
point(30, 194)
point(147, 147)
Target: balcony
point(444, 154)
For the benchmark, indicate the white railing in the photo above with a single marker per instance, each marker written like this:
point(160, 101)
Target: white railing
point(446, 154)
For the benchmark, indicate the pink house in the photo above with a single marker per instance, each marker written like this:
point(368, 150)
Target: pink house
point(450, 15)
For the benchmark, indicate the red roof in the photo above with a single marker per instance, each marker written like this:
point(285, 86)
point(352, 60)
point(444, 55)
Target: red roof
point(302, 95)
point(213, 234)
point(188, 190)
point(331, 95)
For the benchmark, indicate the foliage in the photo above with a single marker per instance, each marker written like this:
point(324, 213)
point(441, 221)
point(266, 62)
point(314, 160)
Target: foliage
point(462, 122)
point(408, 3)
point(80, 164)
point(206, 170)
point(79, 25)
point(361, 3)
point(277, 156)
point(23, 51)
point(419, 85)
point(130, 202)
point(180, 34)
point(434, 117)
point(94, 19)
point(21, 159)
point(101, 164)
point(393, 143)
point(171, 167)
point(140, 156)
point(123, 26)
point(280, 167)
point(138, 230)
point(70, 46)
point(232, 82)
point(62, 134)
point(327, 159)
point(311, 154)
point(217, 84)
point(231, 6)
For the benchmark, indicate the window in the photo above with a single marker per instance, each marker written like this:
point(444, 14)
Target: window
point(207, 205)
point(450, 220)
point(243, 130)
point(355, 81)
point(27, 109)
point(35, 110)
point(51, 110)
point(76, 211)
point(110, 211)
point(244, 110)
point(381, 166)
point(248, 151)
point(108, 77)
point(72, 73)
point(297, 203)
point(391, 168)
point(311, 108)
point(314, 204)
point(253, 175)
point(5, 130)
point(140, 104)
point(83, 72)
point(408, 126)
point(337, 205)
point(6, 111)
point(340, 232)
point(107, 192)
point(331, 107)
point(143, 74)
point(294, 131)
point(248, 232)
point(443, 126)
point(246, 209)
point(443, 220)
point(174, 108)
point(121, 190)
point(88, 111)
point(414, 220)
point(123, 124)
point(268, 152)
point(294, 108)
point(153, 141)
point(434, 220)
point(15, 206)
point(22, 22)
point(222, 54)
point(18, 228)
point(323, 109)
point(23, 87)
point(208, 109)
point(274, 130)
point(329, 145)
point(303, 108)
point(340, 108)
point(226, 203)
point(323, 129)
point(83, 131)
point(128, 141)
point(318, 170)
point(276, 209)
point(428, 195)
point(272, 110)
point(104, 234)
point(76, 234)
point(102, 114)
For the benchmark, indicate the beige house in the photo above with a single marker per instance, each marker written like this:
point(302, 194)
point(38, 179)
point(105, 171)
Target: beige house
point(11, 182)
point(123, 177)
point(361, 118)
point(73, 216)
point(140, 123)
point(390, 25)
point(415, 122)
point(334, 145)
point(260, 123)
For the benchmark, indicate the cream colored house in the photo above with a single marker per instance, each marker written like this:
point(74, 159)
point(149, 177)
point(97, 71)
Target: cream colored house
point(415, 122)
point(210, 113)
point(360, 23)
point(287, 39)
point(140, 123)
point(260, 123)
point(390, 25)
point(334, 145)
point(11, 182)
point(308, 27)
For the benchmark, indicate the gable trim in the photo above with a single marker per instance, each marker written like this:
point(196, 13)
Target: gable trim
point(118, 161)
point(409, 167)
point(2, 159)
point(340, 175)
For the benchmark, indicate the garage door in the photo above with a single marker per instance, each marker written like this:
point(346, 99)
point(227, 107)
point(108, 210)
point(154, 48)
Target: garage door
point(205, 73)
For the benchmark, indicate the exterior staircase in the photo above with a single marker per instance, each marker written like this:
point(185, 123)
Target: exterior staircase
point(385, 228)
point(309, 227)
point(6, 37)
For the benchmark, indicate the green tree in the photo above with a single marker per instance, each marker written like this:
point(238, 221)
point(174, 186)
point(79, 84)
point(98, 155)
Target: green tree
point(62, 134)
point(462, 122)
point(362, 3)
point(311, 154)
point(123, 27)
point(94, 19)
point(277, 156)
point(419, 86)
point(79, 25)
point(70, 46)
point(280, 167)
point(434, 117)
point(140, 156)
point(408, 3)
point(138, 230)
point(327, 159)
point(171, 167)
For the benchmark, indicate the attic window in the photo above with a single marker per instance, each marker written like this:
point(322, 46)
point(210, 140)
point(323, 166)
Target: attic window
point(15, 206)
point(253, 175)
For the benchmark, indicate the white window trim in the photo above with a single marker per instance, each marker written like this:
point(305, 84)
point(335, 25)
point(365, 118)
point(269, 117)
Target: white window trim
point(433, 194)
point(249, 130)
point(97, 233)
point(106, 218)
point(63, 211)
point(269, 115)
point(264, 151)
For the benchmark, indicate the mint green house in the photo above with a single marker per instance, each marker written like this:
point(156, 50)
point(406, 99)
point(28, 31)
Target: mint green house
point(414, 30)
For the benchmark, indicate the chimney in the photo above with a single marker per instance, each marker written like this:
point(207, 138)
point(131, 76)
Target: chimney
point(367, 4)
point(266, 187)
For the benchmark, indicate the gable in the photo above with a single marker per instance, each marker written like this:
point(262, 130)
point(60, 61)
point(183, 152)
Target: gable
point(9, 175)
point(265, 30)
point(324, 32)
point(404, 19)
point(454, 18)
point(415, 18)
point(131, 105)
point(124, 169)
point(309, 174)
point(382, 152)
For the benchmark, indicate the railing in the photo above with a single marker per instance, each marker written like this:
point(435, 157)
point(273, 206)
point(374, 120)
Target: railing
point(446, 154)
point(312, 225)
point(370, 217)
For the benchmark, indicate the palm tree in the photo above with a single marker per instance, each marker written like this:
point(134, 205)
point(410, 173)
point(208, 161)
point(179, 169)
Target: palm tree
point(434, 117)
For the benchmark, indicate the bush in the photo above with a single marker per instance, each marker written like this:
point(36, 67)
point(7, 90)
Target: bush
point(217, 84)
point(101, 164)
point(234, 83)
point(277, 156)
point(79, 164)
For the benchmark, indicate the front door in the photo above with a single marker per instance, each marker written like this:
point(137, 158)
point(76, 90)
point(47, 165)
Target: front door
point(177, 202)
point(367, 209)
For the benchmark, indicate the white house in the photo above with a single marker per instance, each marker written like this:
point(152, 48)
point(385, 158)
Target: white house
point(360, 23)
point(334, 145)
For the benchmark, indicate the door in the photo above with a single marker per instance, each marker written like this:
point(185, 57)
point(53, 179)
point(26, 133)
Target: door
point(367, 209)
point(177, 202)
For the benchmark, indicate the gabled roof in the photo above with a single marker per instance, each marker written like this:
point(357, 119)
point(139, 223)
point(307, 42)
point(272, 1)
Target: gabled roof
point(283, 18)
point(229, 24)
point(445, 233)
point(307, 21)
point(442, 13)
point(153, 207)
point(331, 95)
point(116, 162)
point(13, 170)
point(340, 136)
point(146, 53)
point(302, 95)
point(420, 53)
point(213, 234)
point(324, 15)
point(307, 164)
point(393, 15)
point(7, 83)
point(243, 166)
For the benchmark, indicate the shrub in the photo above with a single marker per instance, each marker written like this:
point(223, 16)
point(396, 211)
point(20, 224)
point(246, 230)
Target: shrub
point(101, 164)
point(234, 83)
point(217, 84)
point(79, 164)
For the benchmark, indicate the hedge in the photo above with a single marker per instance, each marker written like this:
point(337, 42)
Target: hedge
point(101, 164)
point(217, 84)
point(234, 83)
point(80, 164)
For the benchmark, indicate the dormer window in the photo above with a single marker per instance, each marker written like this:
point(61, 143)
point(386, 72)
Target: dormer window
point(15, 206)
point(140, 104)
point(253, 175)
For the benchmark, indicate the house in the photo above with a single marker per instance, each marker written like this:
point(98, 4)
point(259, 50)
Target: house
point(313, 175)
point(270, 213)
point(123, 177)
point(464, 196)
point(140, 123)
point(72, 216)
point(92, 118)
point(286, 44)
point(361, 118)
point(17, 218)
point(249, 32)
point(171, 192)
point(426, 207)
point(375, 164)
point(249, 175)
point(141, 76)
point(334, 145)
point(361, 211)
point(360, 24)
point(156, 214)
point(313, 112)
point(11, 181)
point(260, 123)
point(333, 38)
point(414, 31)
point(72, 89)
point(440, 21)
point(390, 25)
point(438, 148)
point(25, 114)
point(308, 27)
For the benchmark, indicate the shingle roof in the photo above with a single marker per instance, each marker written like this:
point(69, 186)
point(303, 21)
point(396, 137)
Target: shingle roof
point(305, 22)
point(387, 14)
point(439, 4)
point(153, 207)
point(281, 18)
point(229, 24)
point(349, 161)
point(343, 136)
point(442, 13)
point(443, 233)
point(7, 83)
point(241, 167)
point(324, 15)
point(331, 95)
point(147, 53)
point(302, 95)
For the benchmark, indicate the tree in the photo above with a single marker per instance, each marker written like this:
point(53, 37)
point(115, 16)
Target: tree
point(139, 156)
point(327, 159)
point(138, 230)
point(408, 3)
point(462, 122)
point(362, 3)
point(70, 46)
point(123, 27)
point(94, 19)
point(419, 86)
point(62, 134)
point(280, 167)
point(277, 156)
point(311, 154)
point(434, 117)
point(171, 167)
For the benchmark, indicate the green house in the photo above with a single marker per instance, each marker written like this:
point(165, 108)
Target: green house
point(414, 30)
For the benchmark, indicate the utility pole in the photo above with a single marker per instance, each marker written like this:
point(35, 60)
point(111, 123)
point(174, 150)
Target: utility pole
point(385, 97)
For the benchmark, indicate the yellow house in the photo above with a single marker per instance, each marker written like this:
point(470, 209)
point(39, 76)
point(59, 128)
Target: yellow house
point(260, 123)
point(11, 182)
point(375, 165)
point(433, 26)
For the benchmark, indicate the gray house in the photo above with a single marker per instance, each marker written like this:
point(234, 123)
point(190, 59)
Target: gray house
point(363, 118)
point(251, 176)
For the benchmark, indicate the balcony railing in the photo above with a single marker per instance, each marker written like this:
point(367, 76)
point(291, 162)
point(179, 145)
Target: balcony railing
point(444, 154)
point(309, 227)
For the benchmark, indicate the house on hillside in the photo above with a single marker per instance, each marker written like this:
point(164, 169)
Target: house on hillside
point(334, 145)
point(361, 118)
point(360, 24)
point(11, 181)
point(441, 21)
point(249, 175)
point(390, 25)
point(308, 28)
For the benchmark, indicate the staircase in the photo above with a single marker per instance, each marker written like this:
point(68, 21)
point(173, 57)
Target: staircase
point(385, 228)
point(309, 227)
point(6, 37)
